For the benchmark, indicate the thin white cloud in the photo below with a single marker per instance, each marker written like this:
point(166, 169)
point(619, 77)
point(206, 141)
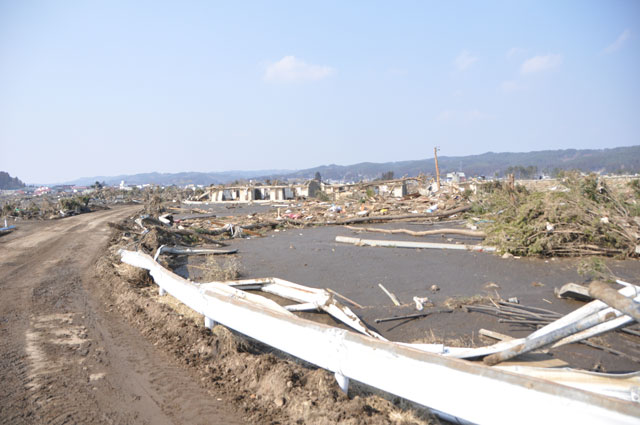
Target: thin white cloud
point(510, 86)
point(541, 63)
point(445, 115)
point(291, 69)
point(465, 60)
point(515, 51)
point(616, 45)
point(466, 116)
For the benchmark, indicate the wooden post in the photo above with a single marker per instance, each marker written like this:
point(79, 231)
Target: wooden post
point(435, 156)
point(613, 298)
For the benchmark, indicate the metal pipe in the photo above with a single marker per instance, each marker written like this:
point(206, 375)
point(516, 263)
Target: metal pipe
point(408, 244)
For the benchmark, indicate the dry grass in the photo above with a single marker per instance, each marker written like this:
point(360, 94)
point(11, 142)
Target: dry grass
point(229, 343)
point(402, 417)
point(400, 411)
point(214, 270)
point(177, 306)
point(458, 341)
point(135, 276)
point(596, 269)
point(459, 302)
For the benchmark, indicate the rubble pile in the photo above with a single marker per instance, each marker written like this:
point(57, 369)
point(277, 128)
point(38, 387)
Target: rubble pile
point(47, 207)
point(357, 207)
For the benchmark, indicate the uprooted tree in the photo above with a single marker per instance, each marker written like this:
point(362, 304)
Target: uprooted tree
point(582, 216)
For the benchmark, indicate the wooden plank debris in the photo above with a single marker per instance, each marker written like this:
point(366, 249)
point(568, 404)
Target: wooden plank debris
point(610, 296)
point(401, 217)
point(462, 232)
point(575, 291)
point(349, 300)
point(596, 314)
point(495, 335)
point(549, 323)
point(389, 294)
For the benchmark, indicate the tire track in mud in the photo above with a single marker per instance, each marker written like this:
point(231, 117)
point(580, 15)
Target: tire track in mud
point(51, 385)
point(62, 361)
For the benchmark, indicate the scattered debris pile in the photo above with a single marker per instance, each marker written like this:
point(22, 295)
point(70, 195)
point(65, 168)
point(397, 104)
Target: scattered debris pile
point(534, 317)
point(46, 207)
point(447, 203)
point(169, 234)
point(580, 216)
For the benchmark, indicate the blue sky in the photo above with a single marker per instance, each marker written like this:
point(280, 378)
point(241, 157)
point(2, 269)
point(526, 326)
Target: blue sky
point(106, 88)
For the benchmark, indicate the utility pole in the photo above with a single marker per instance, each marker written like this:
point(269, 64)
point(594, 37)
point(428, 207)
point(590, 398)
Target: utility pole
point(435, 156)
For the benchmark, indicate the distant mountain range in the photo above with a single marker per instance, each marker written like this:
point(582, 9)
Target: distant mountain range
point(615, 160)
point(179, 179)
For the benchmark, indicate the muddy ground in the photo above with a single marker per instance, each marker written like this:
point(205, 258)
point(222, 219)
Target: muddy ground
point(310, 256)
point(66, 356)
point(86, 339)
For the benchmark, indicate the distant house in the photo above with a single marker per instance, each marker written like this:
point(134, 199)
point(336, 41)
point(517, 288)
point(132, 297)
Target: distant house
point(396, 188)
point(42, 190)
point(123, 186)
point(456, 177)
point(339, 190)
point(250, 193)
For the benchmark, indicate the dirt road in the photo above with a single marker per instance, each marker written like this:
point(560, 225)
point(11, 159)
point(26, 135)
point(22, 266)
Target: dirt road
point(65, 357)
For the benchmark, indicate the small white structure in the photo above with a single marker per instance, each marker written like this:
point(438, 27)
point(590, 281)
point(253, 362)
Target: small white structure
point(263, 193)
point(123, 186)
point(456, 177)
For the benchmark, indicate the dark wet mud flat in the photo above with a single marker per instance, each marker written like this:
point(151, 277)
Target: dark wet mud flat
point(311, 257)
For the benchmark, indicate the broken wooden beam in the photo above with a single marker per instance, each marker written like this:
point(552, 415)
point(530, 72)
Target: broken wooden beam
point(400, 217)
point(613, 298)
point(389, 294)
point(575, 291)
point(583, 312)
point(495, 335)
point(349, 300)
point(462, 232)
point(533, 341)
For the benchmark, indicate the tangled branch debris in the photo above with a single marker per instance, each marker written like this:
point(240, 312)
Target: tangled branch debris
point(580, 217)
